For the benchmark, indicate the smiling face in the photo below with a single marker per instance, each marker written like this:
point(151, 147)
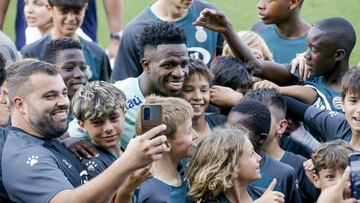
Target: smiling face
point(351, 108)
point(273, 11)
point(37, 14)
point(196, 91)
point(67, 21)
point(249, 164)
point(320, 55)
point(107, 133)
point(46, 106)
point(72, 68)
point(166, 67)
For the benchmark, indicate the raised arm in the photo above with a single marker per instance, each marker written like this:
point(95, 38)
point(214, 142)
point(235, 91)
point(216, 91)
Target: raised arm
point(114, 10)
point(141, 151)
point(217, 21)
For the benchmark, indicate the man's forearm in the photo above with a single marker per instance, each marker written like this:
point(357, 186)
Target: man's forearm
point(114, 10)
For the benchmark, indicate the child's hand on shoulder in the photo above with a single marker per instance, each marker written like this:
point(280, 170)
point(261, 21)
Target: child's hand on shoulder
point(309, 169)
point(224, 96)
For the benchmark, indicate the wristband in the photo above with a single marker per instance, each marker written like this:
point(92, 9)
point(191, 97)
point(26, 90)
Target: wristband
point(116, 35)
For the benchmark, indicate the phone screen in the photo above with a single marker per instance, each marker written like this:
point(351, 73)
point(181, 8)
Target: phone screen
point(354, 160)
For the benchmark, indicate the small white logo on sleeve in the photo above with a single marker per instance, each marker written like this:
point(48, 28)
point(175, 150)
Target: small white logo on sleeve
point(32, 160)
point(91, 165)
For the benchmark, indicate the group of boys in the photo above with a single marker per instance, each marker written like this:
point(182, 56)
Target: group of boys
point(43, 122)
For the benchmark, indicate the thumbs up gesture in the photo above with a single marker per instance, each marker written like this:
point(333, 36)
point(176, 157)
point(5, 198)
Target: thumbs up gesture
point(271, 196)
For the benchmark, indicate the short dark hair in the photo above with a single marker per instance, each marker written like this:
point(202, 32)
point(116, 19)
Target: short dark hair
point(269, 97)
point(160, 33)
point(258, 115)
point(19, 72)
point(231, 72)
point(2, 69)
point(340, 31)
point(197, 67)
point(54, 46)
point(69, 4)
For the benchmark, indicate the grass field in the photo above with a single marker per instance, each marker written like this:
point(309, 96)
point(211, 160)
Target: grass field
point(242, 13)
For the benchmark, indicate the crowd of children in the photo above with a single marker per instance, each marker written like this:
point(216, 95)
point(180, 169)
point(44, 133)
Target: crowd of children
point(266, 116)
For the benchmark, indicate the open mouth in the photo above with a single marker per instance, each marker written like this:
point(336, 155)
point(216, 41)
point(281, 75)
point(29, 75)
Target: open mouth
point(60, 114)
point(176, 85)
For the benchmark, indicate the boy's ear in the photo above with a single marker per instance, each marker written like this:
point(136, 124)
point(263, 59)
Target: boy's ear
point(316, 181)
point(339, 55)
point(81, 124)
point(294, 4)
point(282, 125)
point(145, 64)
point(49, 7)
point(168, 146)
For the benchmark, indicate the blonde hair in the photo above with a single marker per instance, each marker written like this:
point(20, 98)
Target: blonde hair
point(97, 101)
point(175, 111)
point(251, 39)
point(211, 170)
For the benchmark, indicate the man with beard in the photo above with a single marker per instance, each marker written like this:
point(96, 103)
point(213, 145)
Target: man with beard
point(164, 59)
point(36, 166)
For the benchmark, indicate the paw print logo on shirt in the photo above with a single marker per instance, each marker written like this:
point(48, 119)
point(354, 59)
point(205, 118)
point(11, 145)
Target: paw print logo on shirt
point(91, 165)
point(32, 160)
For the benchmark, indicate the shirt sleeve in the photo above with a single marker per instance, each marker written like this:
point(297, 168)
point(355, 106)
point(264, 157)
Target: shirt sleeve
point(331, 125)
point(32, 174)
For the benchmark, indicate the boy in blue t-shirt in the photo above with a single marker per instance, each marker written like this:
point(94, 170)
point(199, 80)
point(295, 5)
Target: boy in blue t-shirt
point(282, 28)
point(272, 146)
point(257, 118)
point(104, 124)
point(67, 18)
point(167, 184)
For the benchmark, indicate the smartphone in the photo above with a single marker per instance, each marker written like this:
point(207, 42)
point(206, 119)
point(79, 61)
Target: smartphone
point(354, 162)
point(151, 116)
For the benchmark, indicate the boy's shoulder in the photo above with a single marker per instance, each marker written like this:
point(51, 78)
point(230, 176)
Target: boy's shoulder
point(260, 26)
point(155, 190)
point(32, 50)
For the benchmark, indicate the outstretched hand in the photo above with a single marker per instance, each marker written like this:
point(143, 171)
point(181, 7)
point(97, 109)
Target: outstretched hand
point(146, 148)
point(213, 20)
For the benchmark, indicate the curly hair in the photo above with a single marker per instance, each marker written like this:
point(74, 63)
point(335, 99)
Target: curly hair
point(97, 101)
point(160, 33)
point(211, 170)
point(53, 47)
